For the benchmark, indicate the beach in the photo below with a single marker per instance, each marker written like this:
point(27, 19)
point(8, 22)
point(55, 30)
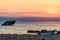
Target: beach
point(28, 37)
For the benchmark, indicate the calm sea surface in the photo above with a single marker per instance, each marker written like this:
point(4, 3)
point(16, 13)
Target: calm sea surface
point(23, 27)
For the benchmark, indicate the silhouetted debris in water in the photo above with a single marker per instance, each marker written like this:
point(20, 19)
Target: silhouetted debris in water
point(58, 32)
point(44, 32)
point(9, 23)
point(32, 31)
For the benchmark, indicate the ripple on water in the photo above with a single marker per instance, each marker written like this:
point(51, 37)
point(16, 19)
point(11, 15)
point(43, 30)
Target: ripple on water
point(24, 27)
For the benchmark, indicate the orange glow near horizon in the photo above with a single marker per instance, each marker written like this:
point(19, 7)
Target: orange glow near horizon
point(47, 8)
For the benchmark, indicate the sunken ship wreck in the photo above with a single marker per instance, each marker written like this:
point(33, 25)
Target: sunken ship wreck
point(8, 23)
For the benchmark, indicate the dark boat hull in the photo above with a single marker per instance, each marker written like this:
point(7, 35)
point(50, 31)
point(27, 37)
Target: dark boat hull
point(8, 23)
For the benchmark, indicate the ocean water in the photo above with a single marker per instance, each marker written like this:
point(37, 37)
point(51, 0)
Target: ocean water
point(22, 28)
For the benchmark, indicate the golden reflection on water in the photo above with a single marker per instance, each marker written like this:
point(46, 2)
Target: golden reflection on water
point(23, 28)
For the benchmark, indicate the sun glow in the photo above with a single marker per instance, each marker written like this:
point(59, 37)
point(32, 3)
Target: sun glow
point(52, 11)
point(51, 7)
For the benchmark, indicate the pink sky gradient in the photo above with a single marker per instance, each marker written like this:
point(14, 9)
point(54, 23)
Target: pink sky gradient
point(31, 8)
point(28, 14)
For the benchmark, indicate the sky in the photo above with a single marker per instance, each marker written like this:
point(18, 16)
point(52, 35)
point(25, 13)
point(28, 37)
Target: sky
point(30, 8)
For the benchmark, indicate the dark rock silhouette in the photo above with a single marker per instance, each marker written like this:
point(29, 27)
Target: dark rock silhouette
point(32, 31)
point(58, 32)
point(9, 23)
point(44, 32)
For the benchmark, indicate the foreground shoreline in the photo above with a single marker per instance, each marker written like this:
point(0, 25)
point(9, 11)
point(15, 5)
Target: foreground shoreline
point(28, 37)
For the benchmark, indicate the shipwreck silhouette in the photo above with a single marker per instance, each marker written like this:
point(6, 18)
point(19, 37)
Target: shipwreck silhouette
point(8, 23)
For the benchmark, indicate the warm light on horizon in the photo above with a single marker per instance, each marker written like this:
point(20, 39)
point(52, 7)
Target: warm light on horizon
point(47, 7)
point(52, 11)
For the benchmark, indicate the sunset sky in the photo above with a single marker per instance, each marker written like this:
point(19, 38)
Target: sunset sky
point(31, 8)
